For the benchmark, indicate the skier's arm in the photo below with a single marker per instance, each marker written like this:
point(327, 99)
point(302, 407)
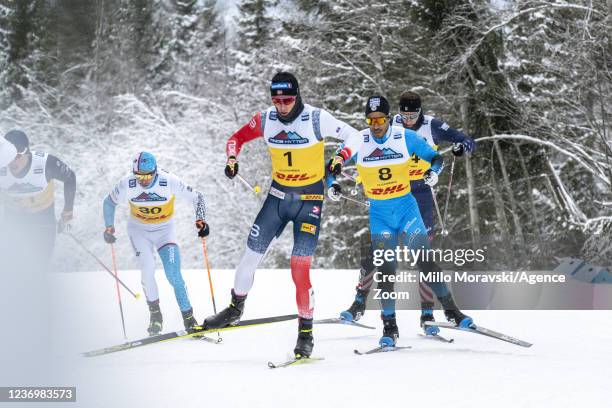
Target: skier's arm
point(248, 132)
point(440, 131)
point(184, 191)
point(418, 145)
point(111, 201)
point(331, 127)
point(58, 170)
point(109, 212)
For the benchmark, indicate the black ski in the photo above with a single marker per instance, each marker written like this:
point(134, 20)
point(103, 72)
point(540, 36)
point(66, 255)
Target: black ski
point(483, 331)
point(337, 320)
point(181, 334)
point(295, 361)
point(381, 349)
point(436, 337)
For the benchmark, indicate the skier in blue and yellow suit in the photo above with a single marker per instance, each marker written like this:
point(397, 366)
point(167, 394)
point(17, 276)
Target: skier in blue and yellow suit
point(383, 156)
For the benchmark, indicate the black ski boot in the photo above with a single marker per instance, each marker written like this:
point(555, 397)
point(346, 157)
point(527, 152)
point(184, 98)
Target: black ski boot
point(230, 316)
point(156, 321)
point(390, 331)
point(357, 309)
point(305, 341)
point(453, 314)
point(188, 320)
point(427, 316)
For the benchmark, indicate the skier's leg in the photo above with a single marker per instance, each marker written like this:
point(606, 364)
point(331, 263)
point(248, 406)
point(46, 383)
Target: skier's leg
point(144, 251)
point(423, 195)
point(366, 278)
point(413, 231)
point(384, 237)
point(305, 237)
point(267, 226)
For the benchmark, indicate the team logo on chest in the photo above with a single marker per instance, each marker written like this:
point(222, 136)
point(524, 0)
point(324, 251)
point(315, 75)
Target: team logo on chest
point(145, 197)
point(383, 154)
point(287, 138)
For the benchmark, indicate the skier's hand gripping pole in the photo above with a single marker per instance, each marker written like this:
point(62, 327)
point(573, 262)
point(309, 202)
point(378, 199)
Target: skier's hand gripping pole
point(106, 268)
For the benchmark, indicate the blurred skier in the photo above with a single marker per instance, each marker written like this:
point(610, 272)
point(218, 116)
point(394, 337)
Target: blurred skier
point(294, 133)
point(434, 132)
point(27, 184)
point(150, 193)
point(383, 161)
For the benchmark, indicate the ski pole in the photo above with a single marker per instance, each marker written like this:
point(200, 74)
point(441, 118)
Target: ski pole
point(444, 232)
point(366, 203)
point(117, 286)
point(210, 283)
point(355, 179)
point(448, 191)
point(256, 189)
point(136, 295)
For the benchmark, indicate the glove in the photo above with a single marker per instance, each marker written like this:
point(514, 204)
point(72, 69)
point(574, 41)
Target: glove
point(231, 167)
point(334, 192)
point(430, 177)
point(109, 235)
point(203, 229)
point(458, 149)
point(468, 146)
point(335, 165)
point(64, 222)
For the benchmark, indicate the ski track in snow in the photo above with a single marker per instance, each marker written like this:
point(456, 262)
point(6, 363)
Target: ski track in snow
point(566, 367)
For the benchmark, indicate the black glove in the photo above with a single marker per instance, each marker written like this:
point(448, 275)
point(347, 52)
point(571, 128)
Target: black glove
point(335, 165)
point(334, 192)
point(203, 229)
point(458, 149)
point(109, 235)
point(231, 167)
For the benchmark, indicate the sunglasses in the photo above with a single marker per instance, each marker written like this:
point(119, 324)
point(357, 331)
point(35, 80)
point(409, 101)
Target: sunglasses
point(144, 178)
point(410, 115)
point(376, 121)
point(283, 100)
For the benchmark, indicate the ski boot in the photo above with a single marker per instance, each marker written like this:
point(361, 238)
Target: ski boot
point(305, 341)
point(357, 309)
point(156, 321)
point(390, 331)
point(453, 314)
point(230, 316)
point(188, 320)
point(427, 316)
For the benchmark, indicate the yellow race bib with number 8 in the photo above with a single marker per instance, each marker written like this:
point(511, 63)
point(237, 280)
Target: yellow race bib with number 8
point(385, 182)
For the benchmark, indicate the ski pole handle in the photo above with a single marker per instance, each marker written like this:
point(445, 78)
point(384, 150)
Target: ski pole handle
point(256, 189)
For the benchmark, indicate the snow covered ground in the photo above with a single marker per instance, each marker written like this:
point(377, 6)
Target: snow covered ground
point(568, 366)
